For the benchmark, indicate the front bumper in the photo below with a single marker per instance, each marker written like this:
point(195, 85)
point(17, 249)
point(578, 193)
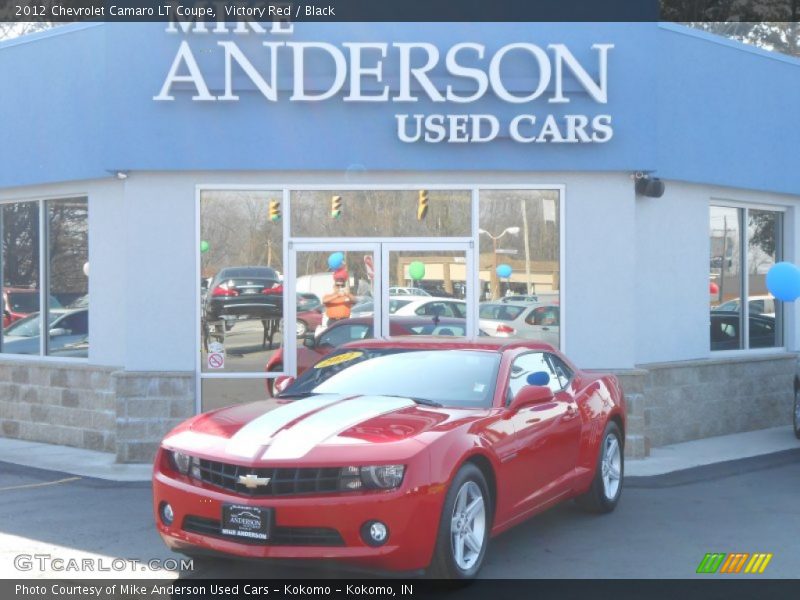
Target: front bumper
point(306, 526)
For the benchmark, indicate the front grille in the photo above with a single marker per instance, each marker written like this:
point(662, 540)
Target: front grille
point(282, 481)
point(279, 536)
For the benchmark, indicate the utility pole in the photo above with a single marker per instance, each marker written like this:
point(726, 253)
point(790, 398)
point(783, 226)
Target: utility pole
point(527, 243)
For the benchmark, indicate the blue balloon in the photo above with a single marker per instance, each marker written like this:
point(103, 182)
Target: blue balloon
point(783, 281)
point(504, 271)
point(335, 260)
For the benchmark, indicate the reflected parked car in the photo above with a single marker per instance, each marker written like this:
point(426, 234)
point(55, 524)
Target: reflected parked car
point(347, 330)
point(757, 305)
point(726, 330)
point(431, 306)
point(21, 302)
point(407, 291)
point(66, 327)
point(521, 320)
point(244, 293)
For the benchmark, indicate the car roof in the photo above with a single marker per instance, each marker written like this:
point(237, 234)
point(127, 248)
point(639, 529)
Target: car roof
point(448, 343)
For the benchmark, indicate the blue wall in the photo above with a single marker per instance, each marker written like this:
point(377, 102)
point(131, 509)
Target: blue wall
point(80, 105)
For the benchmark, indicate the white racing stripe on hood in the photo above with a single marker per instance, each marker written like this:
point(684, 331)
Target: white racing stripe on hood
point(257, 433)
point(298, 440)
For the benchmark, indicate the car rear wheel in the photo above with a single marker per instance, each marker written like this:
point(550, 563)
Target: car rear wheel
point(606, 488)
point(464, 527)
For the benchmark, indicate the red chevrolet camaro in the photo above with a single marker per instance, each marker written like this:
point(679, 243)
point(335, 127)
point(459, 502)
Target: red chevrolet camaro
point(404, 454)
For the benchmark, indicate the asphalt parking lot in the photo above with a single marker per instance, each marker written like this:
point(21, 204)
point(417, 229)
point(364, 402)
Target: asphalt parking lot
point(662, 528)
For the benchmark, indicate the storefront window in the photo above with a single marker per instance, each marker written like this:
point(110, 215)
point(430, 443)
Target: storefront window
point(520, 274)
point(738, 269)
point(66, 269)
point(68, 260)
point(241, 281)
point(381, 213)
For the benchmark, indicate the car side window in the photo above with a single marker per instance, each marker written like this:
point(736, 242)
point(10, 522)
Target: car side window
point(524, 365)
point(76, 324)
point(458, 310)
point(336, 336)
point(543, 315)
point(562, 371)
point(443, 309)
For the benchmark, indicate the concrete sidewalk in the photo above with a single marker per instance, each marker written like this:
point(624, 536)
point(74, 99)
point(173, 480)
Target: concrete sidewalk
point(697, 453)
point(667, 459)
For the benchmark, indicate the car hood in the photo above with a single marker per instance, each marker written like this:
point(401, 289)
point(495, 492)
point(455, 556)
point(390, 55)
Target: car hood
point(321, 428)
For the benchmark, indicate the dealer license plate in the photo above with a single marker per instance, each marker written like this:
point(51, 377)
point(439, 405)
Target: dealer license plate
point(246, 521)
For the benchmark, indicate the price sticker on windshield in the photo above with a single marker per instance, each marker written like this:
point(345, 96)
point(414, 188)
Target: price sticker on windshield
point(339, 358)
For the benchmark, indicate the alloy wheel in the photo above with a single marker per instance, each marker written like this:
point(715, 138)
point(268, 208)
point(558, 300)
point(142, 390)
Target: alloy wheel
point(611, 466)
point(468, 525)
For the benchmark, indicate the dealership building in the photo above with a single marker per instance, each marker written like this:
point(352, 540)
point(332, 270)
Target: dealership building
point(638, 179)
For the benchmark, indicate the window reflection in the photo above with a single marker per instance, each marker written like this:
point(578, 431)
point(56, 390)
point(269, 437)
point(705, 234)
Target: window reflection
point(68, 263)
point(241, 285)
point(520, 277)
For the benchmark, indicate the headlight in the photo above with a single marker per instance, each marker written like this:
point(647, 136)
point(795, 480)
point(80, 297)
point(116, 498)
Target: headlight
point(181, 462)
point(379, 477)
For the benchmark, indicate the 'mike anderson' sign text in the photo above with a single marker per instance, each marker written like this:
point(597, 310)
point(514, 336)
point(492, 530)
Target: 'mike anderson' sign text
point(358, 76)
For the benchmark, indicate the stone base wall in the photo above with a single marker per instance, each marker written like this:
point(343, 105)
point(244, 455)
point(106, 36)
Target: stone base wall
point(677, 402)
point(98, 408)
point(148, 406)
point(69, 405)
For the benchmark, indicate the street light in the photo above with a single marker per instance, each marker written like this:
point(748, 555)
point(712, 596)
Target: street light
point(494, 284)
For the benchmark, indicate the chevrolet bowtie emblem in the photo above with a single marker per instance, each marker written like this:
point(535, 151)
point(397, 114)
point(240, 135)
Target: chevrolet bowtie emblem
point(252, 481)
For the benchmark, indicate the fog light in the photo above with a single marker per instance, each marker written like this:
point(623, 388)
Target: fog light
point(167, 516)
point(374, 533)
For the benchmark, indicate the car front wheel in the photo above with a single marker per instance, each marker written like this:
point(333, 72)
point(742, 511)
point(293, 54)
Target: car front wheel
point(464, 527)
point(606, 488)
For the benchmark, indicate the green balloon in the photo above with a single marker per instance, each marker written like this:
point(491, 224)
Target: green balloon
point(204, 246)
point(416, 270)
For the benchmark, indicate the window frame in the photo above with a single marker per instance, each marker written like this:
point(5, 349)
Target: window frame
point(43, 202)
point(781, 329)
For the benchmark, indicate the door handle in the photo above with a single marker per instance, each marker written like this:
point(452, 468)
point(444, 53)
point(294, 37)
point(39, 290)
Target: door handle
point(571, 412)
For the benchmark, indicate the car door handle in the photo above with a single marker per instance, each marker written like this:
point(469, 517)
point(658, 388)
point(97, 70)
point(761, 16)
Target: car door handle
point(545, 329)
point(571, 412)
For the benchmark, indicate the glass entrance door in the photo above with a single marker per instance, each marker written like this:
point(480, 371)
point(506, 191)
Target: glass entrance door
point(350, 291)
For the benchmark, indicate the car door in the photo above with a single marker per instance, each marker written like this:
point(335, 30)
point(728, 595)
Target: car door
point(547, 437)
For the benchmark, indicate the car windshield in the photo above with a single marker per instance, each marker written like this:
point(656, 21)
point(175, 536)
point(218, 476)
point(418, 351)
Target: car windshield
point(28, 326)
point(28, 302)
point(455, 378)
point(395, 305)
point(500, 312)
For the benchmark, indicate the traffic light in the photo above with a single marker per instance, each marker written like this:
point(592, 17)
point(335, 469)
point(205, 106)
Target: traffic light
point(274, 211)
point(422, 205)
point(336, 207)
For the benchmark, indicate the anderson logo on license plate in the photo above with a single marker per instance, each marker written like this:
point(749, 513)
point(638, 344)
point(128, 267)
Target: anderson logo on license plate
point(245, 521)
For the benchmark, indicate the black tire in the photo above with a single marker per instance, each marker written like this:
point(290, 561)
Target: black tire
point(443, 565)
point(304, 325)
point(796, 410)
point(597, 499)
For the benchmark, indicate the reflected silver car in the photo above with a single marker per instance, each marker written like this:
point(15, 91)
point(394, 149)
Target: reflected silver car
point(521, 320)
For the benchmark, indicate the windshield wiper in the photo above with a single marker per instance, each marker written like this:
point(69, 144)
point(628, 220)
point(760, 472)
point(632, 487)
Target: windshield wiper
point(423, 401)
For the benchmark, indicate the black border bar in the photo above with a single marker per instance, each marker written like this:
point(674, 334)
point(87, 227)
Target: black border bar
point(63, 11)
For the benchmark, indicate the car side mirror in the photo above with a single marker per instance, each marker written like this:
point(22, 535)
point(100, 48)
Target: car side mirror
point(531, 395)
point(57, 331)
point(309, 341)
